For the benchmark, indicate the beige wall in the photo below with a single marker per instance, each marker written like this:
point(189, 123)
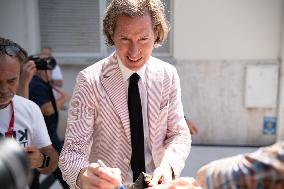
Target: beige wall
point(19, 21)
point(214, 42)
point(213, 96)
point(227, 29)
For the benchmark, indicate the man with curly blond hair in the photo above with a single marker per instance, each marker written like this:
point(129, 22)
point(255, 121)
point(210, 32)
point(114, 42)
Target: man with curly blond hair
point(126, 109)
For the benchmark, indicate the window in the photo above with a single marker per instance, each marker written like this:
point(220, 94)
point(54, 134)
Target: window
point(74, 29)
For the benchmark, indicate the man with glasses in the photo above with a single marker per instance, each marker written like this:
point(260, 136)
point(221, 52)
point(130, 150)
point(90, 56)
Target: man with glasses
point(20, 118)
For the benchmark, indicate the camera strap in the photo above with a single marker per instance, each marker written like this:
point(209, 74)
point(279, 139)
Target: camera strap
point(10, 131)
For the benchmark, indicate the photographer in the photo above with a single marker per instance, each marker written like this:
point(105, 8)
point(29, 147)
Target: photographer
point(20, 118)
point(41, 92)
point(57, 76)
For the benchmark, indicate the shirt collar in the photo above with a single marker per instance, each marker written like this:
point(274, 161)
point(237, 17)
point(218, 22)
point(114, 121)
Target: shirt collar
point(126, 72)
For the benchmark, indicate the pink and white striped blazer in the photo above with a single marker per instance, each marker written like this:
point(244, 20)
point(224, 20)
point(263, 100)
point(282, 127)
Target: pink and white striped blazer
point(98, 124)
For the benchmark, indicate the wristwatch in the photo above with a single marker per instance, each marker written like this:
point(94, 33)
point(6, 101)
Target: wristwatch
point(45, 161)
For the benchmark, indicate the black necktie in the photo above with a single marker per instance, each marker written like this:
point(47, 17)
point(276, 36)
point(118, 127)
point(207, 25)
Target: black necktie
point(136, 127)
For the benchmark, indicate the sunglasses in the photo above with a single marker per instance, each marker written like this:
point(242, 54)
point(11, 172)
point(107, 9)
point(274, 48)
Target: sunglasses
point(12, 50)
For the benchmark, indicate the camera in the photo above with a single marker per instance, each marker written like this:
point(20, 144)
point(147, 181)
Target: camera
point(48, 63)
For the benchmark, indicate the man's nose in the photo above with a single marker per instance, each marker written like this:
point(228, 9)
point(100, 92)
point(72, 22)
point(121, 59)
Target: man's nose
point(134, 50)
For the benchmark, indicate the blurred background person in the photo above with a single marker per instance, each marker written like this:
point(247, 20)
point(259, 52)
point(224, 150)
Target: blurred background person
point(56, 76)
point(41, 92)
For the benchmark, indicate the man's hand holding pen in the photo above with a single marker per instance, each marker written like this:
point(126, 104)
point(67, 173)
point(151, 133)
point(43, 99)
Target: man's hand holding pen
point(98, 176)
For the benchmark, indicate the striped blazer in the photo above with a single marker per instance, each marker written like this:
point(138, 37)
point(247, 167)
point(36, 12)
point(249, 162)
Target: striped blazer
point(98, 124)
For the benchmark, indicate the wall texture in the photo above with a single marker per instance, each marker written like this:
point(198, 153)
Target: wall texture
point(213, 43)
point(227, 29)
point(213, 96)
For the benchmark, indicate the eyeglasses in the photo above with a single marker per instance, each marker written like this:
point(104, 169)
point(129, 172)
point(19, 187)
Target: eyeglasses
point(13, 50)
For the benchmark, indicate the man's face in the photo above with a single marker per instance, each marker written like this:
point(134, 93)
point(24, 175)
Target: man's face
point(45, 53)
point(9, 79)
point(134, 40)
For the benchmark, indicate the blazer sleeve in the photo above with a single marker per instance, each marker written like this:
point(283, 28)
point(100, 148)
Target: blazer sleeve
point(178, 138)
point(78, 136)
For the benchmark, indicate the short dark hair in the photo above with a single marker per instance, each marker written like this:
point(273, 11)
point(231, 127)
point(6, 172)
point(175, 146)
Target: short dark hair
point(22, 55)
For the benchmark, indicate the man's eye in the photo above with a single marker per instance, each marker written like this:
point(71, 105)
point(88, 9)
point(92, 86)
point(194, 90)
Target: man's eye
point(11, 81)
point(144, 40)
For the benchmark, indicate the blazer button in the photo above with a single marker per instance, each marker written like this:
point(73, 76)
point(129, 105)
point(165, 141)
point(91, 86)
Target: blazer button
point(125, 160)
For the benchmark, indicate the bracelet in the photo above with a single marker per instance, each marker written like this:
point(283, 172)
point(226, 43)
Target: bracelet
point(45, 161)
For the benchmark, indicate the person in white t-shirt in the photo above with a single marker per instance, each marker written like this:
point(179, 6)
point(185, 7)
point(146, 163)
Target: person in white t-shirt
point(57, 76)
point(20, 118)
point(28, 123)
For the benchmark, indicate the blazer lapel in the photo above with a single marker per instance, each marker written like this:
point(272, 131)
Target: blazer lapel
point(154, 78)
point(112, 81)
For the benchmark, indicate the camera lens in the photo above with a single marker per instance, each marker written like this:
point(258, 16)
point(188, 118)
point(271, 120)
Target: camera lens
point(50, 63)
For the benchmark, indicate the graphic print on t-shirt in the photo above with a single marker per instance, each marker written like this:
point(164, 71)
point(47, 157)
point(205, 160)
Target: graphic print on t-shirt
point(21, 136)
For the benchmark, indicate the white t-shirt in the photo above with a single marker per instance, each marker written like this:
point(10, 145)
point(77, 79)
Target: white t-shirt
point(29, 124)
point(57, 73)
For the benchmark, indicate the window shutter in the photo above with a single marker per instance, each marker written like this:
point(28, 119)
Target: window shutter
point(73, 28)
point(70, 26)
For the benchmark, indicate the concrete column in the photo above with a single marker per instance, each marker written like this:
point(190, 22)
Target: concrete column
point(280, 108)
point(33, 28)
point(19, 20)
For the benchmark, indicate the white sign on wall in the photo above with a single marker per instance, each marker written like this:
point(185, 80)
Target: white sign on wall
point(261, 86)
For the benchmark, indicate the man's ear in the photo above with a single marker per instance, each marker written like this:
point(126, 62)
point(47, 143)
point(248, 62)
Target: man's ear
point(112, 36)
point(156, 34)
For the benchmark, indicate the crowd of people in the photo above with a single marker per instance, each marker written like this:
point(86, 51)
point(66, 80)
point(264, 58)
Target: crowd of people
point(33, 125)
point(125, 111)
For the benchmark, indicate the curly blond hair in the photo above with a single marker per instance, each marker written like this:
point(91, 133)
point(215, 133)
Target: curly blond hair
point(136, 8)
